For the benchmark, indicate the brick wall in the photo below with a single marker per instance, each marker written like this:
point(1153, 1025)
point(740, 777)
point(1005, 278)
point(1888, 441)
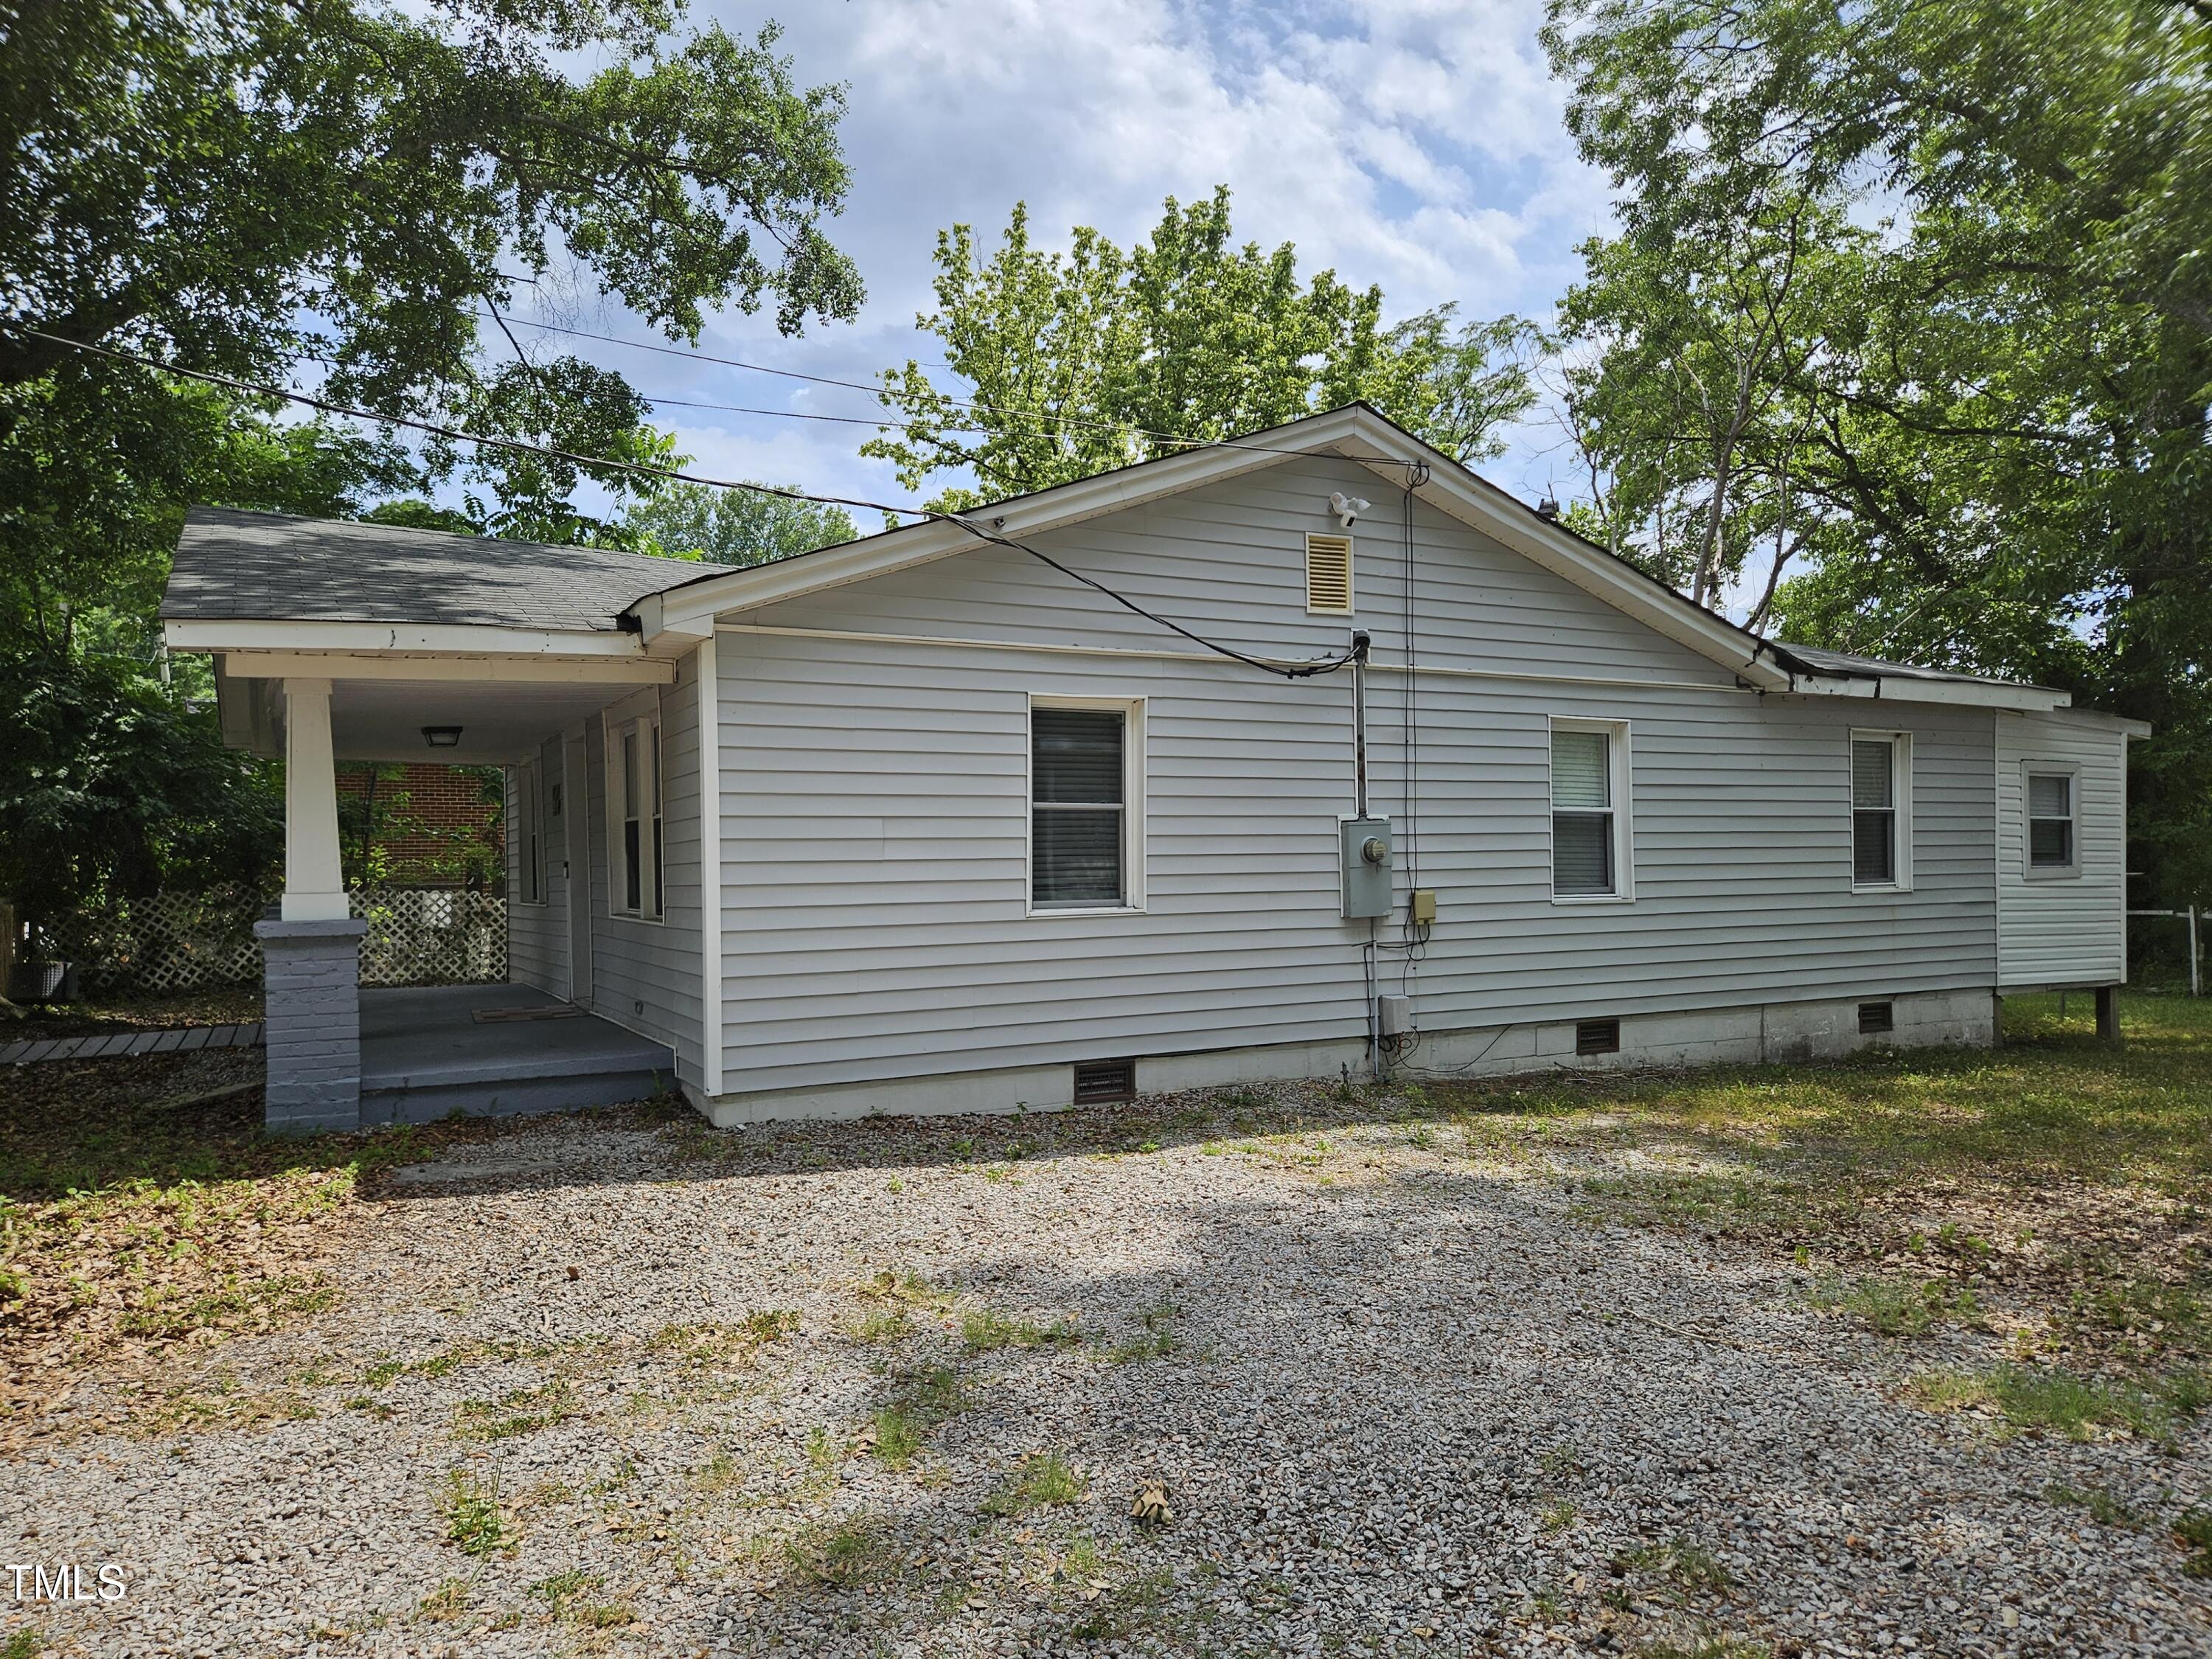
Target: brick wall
point(430, 815)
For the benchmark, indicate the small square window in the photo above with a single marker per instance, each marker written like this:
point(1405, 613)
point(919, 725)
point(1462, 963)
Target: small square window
point(2050, 827)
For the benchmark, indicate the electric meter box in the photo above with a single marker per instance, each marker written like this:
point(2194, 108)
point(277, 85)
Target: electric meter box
point(1363, 857)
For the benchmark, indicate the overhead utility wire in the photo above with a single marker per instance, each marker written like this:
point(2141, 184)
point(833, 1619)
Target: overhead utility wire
point(973, 403)
point(1290, 671)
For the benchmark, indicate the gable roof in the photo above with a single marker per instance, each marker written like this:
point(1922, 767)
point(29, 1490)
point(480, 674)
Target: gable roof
point(273, 567)
point(241, 567)
point(1361, 432)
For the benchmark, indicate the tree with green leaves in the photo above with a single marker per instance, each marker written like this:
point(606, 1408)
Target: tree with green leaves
point(732, 526)
point(1995, 429)
point(344, 195)
point(1083, 361)
point(253, 186)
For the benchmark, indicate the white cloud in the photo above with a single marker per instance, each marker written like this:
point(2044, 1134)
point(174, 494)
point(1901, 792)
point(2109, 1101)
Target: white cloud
point(1415, 143)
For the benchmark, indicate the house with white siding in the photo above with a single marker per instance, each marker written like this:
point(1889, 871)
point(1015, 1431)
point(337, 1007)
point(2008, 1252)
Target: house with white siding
point(1307, 754)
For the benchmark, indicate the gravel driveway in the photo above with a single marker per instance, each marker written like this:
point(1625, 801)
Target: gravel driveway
point(1399, 1394)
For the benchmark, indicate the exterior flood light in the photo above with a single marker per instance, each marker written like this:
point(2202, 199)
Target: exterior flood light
point(442, 737)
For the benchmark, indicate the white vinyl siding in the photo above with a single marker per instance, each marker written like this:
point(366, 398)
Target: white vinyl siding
point(645, 973)
point(900, 765)
point(2062, 925)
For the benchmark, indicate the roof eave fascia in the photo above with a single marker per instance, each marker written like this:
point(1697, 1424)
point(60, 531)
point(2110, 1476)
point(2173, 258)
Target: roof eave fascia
point(694, 605)
point(1905, 687)
point(227, 633)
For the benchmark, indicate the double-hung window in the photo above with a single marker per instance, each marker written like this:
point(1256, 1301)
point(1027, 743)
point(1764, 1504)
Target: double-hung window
point(1589, 809)
point(1085, 812)
point(1881, 811)
point(633, 802)
point(2053, 845)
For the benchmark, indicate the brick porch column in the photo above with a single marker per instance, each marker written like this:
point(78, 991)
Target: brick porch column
point(311, 977)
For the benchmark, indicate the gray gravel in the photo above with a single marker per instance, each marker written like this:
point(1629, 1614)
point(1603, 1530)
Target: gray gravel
point(1414, 1402)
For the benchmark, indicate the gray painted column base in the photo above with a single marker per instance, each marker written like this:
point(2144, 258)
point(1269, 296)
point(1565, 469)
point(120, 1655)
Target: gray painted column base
point(311, 975)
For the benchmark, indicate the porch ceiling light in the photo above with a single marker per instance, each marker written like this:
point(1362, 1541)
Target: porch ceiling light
point(442, 737)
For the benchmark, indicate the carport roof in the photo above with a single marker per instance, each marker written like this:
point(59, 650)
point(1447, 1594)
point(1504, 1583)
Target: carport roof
point(273, 567)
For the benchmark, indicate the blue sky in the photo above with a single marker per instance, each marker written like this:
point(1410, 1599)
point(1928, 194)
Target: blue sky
point(1410, 143)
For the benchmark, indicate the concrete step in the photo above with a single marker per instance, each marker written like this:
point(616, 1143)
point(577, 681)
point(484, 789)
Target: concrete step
point(429, 1096)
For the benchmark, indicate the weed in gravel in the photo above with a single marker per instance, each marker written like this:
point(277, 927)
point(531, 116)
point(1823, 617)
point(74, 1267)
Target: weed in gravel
point(1044, 1480)
point(2193, 1533)
point(474, 1522)
point(2028, 1399)
point(902, 1424)
point(1890, 1307)
point(1735, 1201)
point(858, 1555)
point(1559, 1515)
point(561, 1589)
point(1126, 1612)
point(905, 1287)
point(1706, 1644)
point(516, 1412)
point(26, 1644)
point(1159, 1341)
point(2142, 1318)
point(1562, 1463)
point(987, 1330)
point(450, 1600)
point(2105, 1510)
point(1689, 1568)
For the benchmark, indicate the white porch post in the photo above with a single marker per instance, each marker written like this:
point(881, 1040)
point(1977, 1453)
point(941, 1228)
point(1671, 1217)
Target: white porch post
point(314, 890)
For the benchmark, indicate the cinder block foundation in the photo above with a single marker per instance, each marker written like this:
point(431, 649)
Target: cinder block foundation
point(1773, 1033)
point(311, 976)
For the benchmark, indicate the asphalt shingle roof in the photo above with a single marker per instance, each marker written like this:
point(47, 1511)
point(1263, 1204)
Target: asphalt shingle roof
point(273, 567)
point(1844, 664)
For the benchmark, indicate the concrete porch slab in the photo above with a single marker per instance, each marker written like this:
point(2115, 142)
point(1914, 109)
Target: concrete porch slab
point(423, 1055)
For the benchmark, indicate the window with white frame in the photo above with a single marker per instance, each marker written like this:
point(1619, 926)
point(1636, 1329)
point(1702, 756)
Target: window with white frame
point(1589, 809)
point(2053, 845)
point(529, 835)
point(1881, 811)
point(1085, 805)
point(634, 791)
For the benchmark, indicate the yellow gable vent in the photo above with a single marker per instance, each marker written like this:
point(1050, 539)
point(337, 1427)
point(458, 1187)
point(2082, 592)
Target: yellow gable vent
point(1328, 574)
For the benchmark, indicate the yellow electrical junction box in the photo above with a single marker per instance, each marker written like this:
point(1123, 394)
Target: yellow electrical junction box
point(1424, 904)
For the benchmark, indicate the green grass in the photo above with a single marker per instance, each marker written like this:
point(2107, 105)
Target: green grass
point(2104, 1509)
point(856, 1555)
point(1044, 1480)
point(1158, 1342)
point(23, 1644)
point(2041, 1400)
point(1890, 1307)
point(925, 1399)
point(475, 1524)
point(2052, 1103)
point(2193, 1533)
point(987, 1330)
point(1689, 1568)
point(518, 1411)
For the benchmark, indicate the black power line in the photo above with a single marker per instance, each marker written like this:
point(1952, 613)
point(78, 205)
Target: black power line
point(1293, 671)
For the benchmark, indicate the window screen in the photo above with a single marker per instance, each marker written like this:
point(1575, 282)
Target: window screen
point(2050, 820)
point(1076, 807)
point(1581, 814)
point(1874, 811)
